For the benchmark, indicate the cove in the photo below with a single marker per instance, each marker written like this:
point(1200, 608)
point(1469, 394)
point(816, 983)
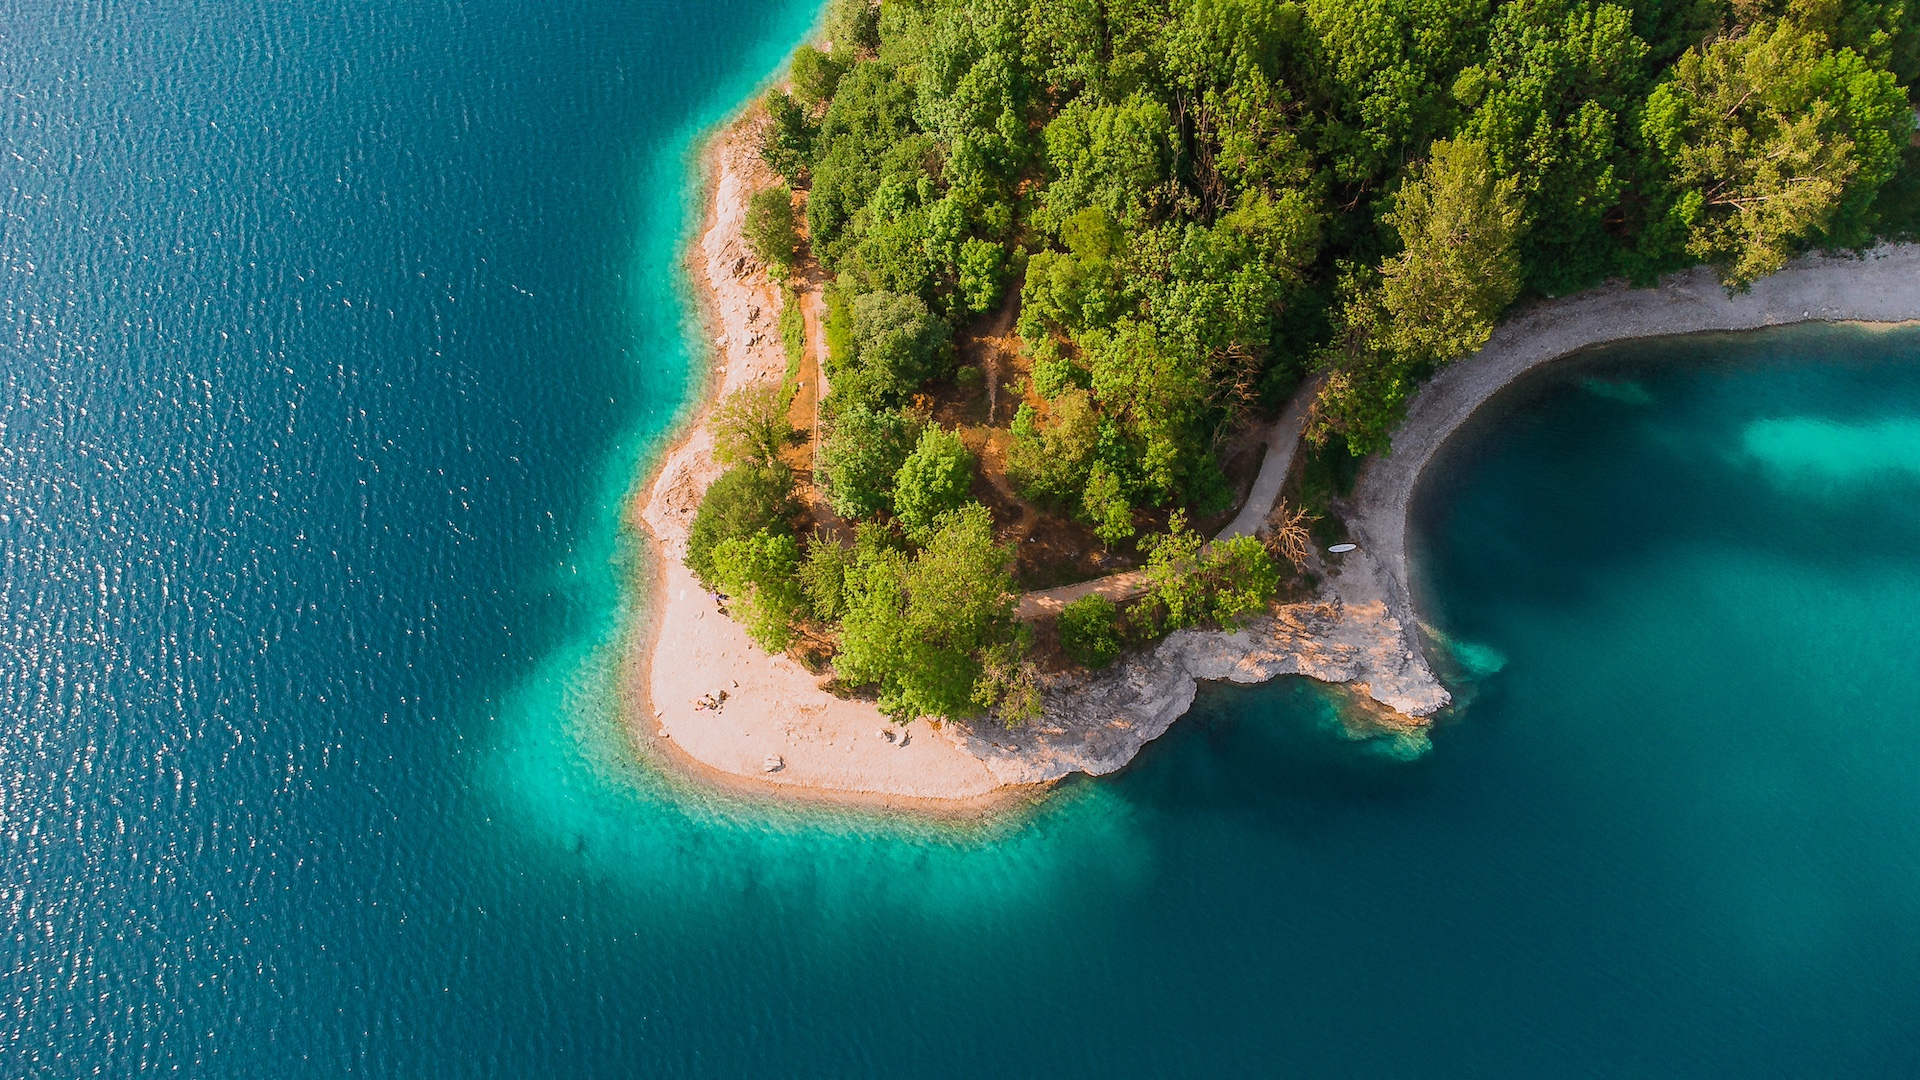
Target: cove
point(313, 594)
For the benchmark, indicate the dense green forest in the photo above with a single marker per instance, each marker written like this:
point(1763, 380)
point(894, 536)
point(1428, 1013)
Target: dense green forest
point(1197, 203)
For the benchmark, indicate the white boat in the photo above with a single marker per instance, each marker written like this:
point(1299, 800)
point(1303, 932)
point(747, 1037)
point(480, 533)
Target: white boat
point(1342, 549)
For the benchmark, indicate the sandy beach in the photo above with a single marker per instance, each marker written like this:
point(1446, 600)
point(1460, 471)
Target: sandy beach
point(775, 730)
point(776, 733)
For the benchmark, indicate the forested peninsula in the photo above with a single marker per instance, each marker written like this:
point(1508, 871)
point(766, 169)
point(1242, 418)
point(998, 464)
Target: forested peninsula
point(1067, 259)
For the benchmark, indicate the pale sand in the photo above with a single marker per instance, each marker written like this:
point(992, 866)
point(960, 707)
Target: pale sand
point(1358, 630)
point(774, 707)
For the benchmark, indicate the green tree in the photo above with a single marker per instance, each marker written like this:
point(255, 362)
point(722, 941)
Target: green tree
point(750, 425)
point(1090, 631)
point(786, 139)
point(1190, 582)
point(1551, 103)
point(815, 77)
point(1176, 595)
point(1243, 578)
point(853, 27)
point(769, 229)
point(759, 573)
point(744, 500)
point(823, 578)
point(1772, 142)
point(983, 274)
point(866, 136)
point(1048, 459)
point(921, 628)
point(1459, 220)
point(1105, 506)
point(1436, 301)
point(1156, 391)
point(860, 457)
point(1115, 158)
point(1383, 70)
point(932, 482)
point(896, 345)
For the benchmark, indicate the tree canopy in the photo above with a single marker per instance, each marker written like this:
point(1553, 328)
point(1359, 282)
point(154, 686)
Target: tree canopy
point(1189, 207)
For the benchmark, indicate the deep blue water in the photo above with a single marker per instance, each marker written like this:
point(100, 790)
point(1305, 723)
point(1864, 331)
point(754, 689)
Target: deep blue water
point(334, 334)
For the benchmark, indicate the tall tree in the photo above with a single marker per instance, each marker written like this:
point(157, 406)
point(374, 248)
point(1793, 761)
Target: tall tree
point(1437, 300)
point(1551, 102)
point(1773, 141)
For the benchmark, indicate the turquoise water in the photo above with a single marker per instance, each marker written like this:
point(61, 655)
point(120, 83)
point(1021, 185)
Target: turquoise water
point(335, 334)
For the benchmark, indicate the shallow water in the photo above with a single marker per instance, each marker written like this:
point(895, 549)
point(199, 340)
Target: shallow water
point(335, 335)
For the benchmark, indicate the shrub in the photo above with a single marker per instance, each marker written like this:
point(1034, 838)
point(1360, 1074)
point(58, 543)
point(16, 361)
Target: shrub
point(770, 230)
point(1009, 684)
point(933, 480)
point(860, 457)
point(750, 425)
point(1090, 631)
point(793, 331)
point(746, 499)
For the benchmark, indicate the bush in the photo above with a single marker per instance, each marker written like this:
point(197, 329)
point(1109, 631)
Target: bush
point(933, 480)
point(750, 425)
point(860, 457)
point(770, 230)
point(793, 331)
point(1090, 631)
point(745, 500)
point(1009, 684)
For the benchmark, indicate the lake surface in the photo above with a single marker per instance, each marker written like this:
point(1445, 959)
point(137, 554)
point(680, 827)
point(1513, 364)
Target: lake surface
point(334, 334)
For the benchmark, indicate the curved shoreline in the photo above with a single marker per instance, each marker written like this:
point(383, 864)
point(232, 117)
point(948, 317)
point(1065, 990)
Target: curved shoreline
point(782, 736)
point(1881, 287)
